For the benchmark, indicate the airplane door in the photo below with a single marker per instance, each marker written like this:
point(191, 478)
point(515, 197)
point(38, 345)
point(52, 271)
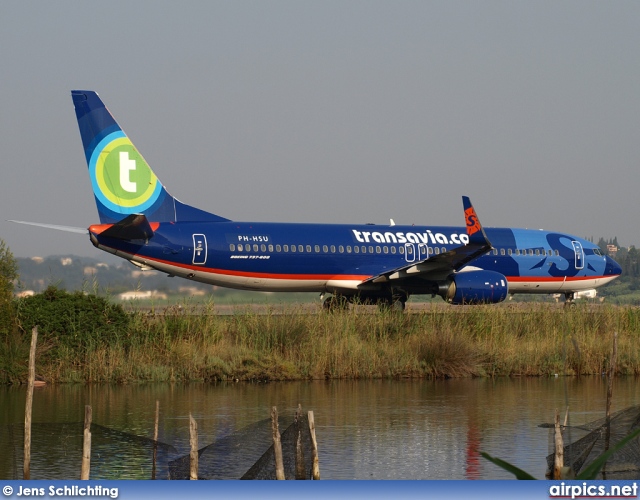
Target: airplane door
point(423, 251)
point(577, 248)
point(409, 252)
point(199, 249)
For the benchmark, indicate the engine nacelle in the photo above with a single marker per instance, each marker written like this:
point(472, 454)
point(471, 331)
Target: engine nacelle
point(475, 287)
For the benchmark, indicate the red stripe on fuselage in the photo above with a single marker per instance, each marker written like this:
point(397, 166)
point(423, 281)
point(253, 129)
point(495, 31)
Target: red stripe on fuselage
point(246, 274)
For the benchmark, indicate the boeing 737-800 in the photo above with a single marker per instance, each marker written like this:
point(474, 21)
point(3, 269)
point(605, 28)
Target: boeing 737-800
point(142, 223)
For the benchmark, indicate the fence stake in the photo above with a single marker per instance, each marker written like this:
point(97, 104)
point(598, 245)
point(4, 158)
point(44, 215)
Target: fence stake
point(300, 468)
point(86, 444)
point(314, 448)
point(193, 433)
point(155, 441)
point(277, 445)
point(559, 453)
point(29, 404)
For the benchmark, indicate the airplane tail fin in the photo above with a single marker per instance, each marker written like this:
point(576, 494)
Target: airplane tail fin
point(122, 181)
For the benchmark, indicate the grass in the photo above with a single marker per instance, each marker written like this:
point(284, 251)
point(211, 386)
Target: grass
point(189, 344)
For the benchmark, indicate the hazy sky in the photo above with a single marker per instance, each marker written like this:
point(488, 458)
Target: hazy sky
point(330, 111)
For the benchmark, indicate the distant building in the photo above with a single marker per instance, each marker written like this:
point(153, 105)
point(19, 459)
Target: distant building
point(25, 293)
point(37, 260)
point(193, 291)
point(66, 261)
point(139, 294)
point(612, 250)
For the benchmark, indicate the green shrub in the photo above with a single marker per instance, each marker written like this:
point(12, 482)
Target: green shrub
point(73, 320)
point(8, 275)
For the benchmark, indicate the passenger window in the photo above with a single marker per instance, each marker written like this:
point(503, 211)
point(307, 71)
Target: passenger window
point(356, 249)
point(271, 248)
point(293, 248)
point(378, 250)
point(410, 250)
point(370, 249)
point(364, 249)
point(301, 248)
point(308, 248)
point(341, 249)
point(531, 251)
point(325, 248)
point(232, 247)
point(286, 248)
point(430, 251)
point(401, 250)
point(537, 251)
point(255, 248)
point(495, 251)
point(393, 250)
point(263, 247)
point(437, 251)
point(333, 249)
point(444, 249)
point(557, 252)
point(247, 247)
point(278, 248)
point(509, 251)
point(502, 251)
point(348, 248)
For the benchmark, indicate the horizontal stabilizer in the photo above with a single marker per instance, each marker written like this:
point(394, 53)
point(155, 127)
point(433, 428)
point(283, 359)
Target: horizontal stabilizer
point(69, 229)
point(133, 227)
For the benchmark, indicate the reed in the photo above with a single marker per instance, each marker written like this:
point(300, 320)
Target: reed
point(188, 344)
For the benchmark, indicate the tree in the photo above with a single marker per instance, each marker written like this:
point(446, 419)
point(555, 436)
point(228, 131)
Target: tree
point(8, 275)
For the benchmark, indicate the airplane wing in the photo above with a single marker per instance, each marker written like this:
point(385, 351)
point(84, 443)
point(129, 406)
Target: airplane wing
point(441, 265)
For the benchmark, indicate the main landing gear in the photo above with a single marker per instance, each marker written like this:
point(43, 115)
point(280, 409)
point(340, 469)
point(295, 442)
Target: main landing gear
point(335, 303)
point(569, 300)
point(395, 302)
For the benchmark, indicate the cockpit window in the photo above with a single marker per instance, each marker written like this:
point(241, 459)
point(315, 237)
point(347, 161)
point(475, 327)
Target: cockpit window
point(597, 251)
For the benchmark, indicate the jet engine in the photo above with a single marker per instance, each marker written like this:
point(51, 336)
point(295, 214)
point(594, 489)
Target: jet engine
point(475, 287)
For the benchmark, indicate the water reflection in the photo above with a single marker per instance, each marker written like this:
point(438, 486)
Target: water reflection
point(366, 429)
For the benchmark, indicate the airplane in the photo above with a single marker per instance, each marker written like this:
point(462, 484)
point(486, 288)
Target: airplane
point(355, 263)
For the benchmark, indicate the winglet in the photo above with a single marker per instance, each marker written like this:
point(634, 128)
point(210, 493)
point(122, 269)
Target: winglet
point(475, 230)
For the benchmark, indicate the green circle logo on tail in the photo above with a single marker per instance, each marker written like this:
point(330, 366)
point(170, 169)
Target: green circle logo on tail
point(122, 179)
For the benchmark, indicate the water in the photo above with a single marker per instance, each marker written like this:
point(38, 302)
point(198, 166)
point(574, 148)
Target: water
point(390, 429)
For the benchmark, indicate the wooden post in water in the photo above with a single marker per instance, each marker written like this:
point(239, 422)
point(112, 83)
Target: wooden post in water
point(155, 440)
point(300, 468)
point(277, 445)
point(315, 467)
point(86, 444)
point(558, 464)
point(193, 433)
point(29, 405)
point(612, 372)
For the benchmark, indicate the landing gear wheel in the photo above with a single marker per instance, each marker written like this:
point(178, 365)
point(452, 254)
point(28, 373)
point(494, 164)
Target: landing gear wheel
point(398, 301)
point(335, 303)
point(398, 306)
point(569, 300)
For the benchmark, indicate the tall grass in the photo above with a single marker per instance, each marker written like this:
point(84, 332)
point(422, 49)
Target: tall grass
point(479, 341)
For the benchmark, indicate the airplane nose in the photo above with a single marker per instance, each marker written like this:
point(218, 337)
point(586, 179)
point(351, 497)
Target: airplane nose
point(612, 268)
